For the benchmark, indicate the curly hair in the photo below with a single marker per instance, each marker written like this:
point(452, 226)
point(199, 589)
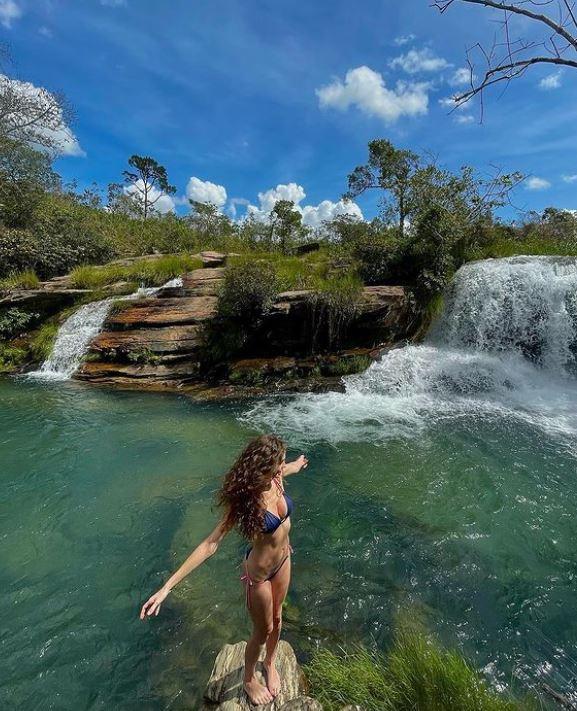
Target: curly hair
point(249, 477)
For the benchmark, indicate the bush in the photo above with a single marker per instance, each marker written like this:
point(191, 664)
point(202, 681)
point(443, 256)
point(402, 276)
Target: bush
point(416, 675)
point(248, 292)
point(42, 341)
point(333, 307)
point(11, 358)
point(142, 272)
point(14, 321)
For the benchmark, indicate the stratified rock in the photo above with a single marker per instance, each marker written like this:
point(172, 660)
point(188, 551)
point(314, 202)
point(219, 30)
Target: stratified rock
point(203, 282)
point(153, 313)
point(158, 375)
point(213, 259)
point(169, 339)
point(225, 686)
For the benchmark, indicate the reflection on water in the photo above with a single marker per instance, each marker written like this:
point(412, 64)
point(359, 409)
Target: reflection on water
point(105, 493)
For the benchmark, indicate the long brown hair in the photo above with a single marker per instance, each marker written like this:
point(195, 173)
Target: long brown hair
point(249, 477)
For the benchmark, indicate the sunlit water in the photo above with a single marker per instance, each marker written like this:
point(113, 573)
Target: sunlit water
point(442, 483)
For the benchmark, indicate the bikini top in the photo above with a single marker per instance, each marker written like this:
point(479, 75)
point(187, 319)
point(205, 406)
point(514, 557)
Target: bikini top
point(271, 520)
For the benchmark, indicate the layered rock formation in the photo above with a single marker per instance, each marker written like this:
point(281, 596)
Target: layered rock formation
point(157, 342)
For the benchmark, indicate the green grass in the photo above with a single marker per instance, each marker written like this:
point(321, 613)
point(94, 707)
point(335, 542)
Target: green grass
point(347, 365)
point(535, 245)
point(416, 675)
point(143, 272)
point(309, 271)
point(11, 358)
point(42, 341)
point(26, 279)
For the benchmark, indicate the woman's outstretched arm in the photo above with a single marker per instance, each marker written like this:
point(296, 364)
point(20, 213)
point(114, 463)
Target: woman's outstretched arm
point(203, 551)
point(295, 467)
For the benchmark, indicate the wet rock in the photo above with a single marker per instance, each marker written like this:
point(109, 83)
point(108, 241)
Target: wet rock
point(157, 375)
point(168, 339)
point(225, 689)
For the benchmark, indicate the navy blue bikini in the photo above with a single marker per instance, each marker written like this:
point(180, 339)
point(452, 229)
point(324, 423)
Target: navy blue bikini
point(271, 522)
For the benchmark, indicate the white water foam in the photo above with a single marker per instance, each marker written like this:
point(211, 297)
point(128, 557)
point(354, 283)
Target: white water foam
point(79, 330)
point(505, 346)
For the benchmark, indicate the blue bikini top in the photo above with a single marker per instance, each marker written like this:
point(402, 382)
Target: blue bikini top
point(271, 521)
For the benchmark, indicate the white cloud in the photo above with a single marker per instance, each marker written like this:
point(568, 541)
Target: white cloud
point(462, 77)
point(162, 203)
point(570, 178)
point(45, 31)
point(464, 119)
point(553, 81)
point(419, 60)
point(535, 183)
point(404, 39)
point(60, 135)
point(233, 202)
point(366, 89)
point(205, 191)
point(9, 11)
point(313, 215)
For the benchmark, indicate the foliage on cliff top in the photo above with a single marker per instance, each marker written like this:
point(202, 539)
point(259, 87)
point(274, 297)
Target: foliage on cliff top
point(142, 272)
point(415, 675)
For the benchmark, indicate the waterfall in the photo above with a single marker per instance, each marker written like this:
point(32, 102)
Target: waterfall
point(505, 345)
point(78, 331)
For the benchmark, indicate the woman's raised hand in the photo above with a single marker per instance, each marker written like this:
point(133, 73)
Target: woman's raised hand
point(296, 466)
point(152, 605)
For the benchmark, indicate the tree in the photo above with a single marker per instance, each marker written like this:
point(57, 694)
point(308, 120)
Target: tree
point(148, 182)
point(508, 57)
point(285, 223)
point(391, 170)
point(208, 221)
point(25, 176)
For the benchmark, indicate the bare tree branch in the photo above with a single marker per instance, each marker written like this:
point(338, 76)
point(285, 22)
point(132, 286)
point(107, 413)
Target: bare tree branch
point(508, 58)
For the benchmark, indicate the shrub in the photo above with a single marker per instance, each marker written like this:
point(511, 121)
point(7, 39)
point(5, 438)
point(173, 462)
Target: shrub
point(11, 358)
point(142, 272)
point(333, 307)
point(14, 321)
point(348, 365)
point(416, 675)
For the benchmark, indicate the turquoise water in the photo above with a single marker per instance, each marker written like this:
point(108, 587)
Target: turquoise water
point(471, 524)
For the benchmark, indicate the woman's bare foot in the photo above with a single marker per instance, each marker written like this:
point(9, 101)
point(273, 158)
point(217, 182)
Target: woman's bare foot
point(257, 693)
point(273, 683)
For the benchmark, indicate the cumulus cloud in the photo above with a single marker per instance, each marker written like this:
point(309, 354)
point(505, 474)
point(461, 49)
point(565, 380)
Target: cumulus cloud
point(553, 81)
point(570, 178)
point(313, 215)
point(404, 39)
point(9, 11)
point(419, 60)
point(535, 183)
point(161, 202)
point(462, 77)
point(366, 89)
point(205, 191)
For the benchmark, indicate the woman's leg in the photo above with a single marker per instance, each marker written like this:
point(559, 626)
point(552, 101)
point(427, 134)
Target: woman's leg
point(279, 584)
point(261, 613)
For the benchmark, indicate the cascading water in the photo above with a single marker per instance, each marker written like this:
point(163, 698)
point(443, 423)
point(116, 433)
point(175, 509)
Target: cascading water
point(78, 331)
point(505, 345)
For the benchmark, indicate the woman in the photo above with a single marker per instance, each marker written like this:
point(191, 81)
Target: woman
point(253, 501)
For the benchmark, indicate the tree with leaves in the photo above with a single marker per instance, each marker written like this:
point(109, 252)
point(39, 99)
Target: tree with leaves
point(285, 224)
point(509, 57)
point(390, 170)
point(147, 182)
point(209, 222)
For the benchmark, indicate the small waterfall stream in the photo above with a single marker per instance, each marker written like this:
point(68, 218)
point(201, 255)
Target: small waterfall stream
point(78, 331)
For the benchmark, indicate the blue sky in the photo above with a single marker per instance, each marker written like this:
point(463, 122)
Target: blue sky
point(235, 92)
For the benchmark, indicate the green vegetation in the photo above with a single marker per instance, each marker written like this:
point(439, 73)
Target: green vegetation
point(144, 356)
point(11, 357)
point(142, 272)
point(415, 675)
point(14, 321)
point(42, 341)
point(347, 365)
point(26, 279)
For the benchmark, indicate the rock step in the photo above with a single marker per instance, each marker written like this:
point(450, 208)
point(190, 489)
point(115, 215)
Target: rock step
point(153, 313)
point(166, 339)
point(162, 375)
point(203, 282)
point(225, 690)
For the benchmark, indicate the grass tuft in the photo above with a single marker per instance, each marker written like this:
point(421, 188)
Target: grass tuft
point(416, 675)
point(26, 279)
point(42, 341)
point(144, 272)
